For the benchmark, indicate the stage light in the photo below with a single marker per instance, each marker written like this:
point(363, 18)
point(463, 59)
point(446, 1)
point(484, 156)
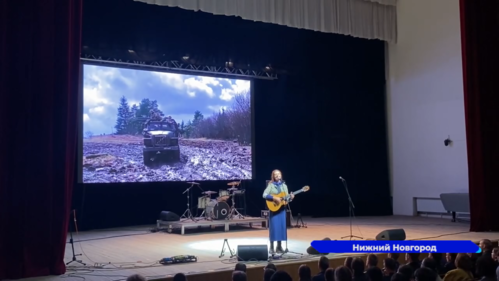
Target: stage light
point(131, 51)
point(186, 57)
point(268, 68)
point(229, 64)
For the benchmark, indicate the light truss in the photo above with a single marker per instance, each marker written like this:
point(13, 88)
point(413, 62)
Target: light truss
point(181, 67)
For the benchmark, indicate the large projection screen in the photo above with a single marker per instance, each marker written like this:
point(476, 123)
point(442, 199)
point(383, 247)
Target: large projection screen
point(153, 126)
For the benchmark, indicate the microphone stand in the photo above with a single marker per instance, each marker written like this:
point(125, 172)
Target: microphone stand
point(187, 215)
point(351, 214)
point(71, 241)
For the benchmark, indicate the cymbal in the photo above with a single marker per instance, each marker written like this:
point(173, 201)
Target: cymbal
point(232, 189)
point(209, 192)
point(234, 183)
point(191, 182)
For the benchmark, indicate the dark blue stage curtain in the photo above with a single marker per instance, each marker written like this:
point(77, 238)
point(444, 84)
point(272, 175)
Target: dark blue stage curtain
point(480, 45)
point(39, 73)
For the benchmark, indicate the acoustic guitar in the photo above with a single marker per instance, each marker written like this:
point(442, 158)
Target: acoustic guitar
point(285, 199)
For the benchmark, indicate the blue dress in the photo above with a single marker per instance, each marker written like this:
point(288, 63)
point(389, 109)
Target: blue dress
point(277, 221)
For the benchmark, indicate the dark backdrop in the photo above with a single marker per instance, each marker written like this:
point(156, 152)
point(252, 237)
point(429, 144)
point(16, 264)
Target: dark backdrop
point(323, 118)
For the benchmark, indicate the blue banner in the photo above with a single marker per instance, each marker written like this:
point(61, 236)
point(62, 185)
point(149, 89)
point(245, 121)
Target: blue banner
point(355, 246)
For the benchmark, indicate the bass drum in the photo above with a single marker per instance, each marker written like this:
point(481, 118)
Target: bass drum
point(218, 210)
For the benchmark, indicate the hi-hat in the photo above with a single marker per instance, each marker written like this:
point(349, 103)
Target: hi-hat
point(234, 183)
point(232, 189)
point(209, 192)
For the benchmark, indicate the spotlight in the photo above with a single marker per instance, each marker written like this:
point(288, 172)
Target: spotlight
point(186, 57)
point(268, 68)
point(229, 64)
point(131, 51)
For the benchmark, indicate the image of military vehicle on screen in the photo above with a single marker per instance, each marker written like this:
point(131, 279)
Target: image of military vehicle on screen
point(142, 140)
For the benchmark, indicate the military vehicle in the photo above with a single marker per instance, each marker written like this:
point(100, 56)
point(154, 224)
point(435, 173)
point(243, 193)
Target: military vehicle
point(160, 139)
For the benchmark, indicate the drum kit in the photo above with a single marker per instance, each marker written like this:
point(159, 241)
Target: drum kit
point(218, 208)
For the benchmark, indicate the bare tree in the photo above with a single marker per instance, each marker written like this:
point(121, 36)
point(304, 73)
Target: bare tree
point(233, 123)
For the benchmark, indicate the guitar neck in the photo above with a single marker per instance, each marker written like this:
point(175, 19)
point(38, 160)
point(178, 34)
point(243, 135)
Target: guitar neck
point(298, 191)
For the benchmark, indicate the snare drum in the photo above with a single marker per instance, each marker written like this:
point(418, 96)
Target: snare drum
point(203, 202)
point(224, 195)
point(218, 210)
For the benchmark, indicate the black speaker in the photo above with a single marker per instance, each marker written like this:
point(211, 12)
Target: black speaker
point(168, 216)
point(391, 234)
point(312, 251)
point(252, 253)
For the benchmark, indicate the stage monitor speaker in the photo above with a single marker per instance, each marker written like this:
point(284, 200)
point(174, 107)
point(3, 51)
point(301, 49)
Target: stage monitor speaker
point(168, 216)
point(391, 234)
point(252, 253)
point(312, 251)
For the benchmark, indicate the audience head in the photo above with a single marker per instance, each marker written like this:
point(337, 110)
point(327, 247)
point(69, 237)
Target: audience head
point(267, 274)
point(136, 277)
point(437, 257)
point(358, 266)
point(450, 257)
point(486, 267)
point(389, 265)
point(304, 272)
point(323, 263)
point(463, 261)
point(271, 266)
point(179, 277)
point(485, 245)
point(374, 274)
point(240, 267)
point(372, 260)
point(412, 257)
point(425, 274)
point(394, 256)
point(348, 262)
point(329, 274)
point(430, 263)
point(239, 276)
point(281, 276)
point(495, 253)
point(399, 277)
point(343, 273)
point(407, 271)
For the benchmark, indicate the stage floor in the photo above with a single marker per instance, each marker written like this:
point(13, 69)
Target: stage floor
point(114, 254)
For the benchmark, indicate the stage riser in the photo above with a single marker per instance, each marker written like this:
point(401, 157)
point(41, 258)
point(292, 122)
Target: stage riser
point(183, 225)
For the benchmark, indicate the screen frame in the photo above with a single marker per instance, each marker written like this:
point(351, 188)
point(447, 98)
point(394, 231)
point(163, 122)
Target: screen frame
point(83, 62)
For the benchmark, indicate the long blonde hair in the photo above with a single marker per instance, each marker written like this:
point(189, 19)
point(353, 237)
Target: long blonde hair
point(272, 175)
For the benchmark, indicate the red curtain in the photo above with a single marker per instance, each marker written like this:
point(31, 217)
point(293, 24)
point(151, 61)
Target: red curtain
point(480, 49)
point(39, 84)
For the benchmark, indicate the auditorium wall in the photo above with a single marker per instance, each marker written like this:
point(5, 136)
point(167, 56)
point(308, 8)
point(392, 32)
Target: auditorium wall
point(426, 105)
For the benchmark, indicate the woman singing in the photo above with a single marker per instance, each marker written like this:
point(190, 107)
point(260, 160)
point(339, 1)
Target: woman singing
point(277, 222)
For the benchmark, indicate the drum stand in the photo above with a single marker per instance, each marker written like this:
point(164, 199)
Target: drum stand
point(187, 215)
point(205, 216)
point(234, 213)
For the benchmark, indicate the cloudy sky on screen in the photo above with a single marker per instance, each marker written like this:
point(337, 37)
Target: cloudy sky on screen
point(178, 95)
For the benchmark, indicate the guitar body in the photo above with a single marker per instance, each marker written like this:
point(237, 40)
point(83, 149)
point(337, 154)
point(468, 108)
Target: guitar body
point(274, 207)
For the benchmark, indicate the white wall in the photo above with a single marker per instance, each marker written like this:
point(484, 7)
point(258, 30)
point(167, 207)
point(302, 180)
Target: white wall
point(426, 103)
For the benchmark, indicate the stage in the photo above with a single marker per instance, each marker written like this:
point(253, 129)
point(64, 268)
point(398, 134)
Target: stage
point(116, 253)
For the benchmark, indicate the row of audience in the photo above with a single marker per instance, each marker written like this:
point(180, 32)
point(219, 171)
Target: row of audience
point(435, 267)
